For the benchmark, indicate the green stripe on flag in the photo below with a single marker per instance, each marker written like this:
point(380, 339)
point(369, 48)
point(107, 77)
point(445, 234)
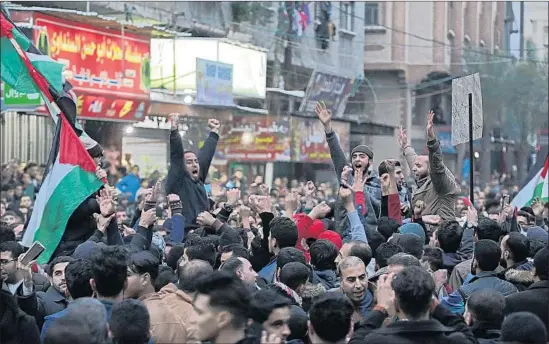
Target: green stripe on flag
point(60, 206)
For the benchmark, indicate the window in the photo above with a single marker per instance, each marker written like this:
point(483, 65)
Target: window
point(371, 13)
point(347, 13)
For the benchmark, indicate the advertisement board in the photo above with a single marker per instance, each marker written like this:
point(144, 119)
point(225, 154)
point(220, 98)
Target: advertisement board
point(169, 72)
point(334, 90)
point(103, 65)
point(13, 98)
point(214, 83)
point(309, 140)
point(256, 138)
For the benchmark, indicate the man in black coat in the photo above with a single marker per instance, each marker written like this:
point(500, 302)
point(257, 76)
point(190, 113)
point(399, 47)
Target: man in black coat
point(188, 171)
point(536, 298)
point(409, 296)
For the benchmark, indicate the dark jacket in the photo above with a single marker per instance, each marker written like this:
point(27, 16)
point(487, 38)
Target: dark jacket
point(534, 300)
point(191, 192)
point(520, 274)
point(485, 333)
point(328, 278)
point(486, 280)
point(41, 304)
point(16, 326)
point(444, 327)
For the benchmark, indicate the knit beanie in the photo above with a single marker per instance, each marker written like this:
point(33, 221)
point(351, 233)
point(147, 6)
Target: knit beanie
point(363, 149)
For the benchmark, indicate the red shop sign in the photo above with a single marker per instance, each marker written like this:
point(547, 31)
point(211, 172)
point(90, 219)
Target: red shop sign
point(111, 108)
point(99, 61)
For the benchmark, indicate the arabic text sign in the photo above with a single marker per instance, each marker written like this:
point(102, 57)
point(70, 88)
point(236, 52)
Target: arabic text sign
point(112, 108)
point(98, 60)
point(214, 83)
point(310, 143)
point(461, 88)
point(333, 90)
point(15, 98)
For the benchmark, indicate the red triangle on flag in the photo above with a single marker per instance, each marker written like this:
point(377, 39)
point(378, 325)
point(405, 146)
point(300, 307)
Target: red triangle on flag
point(71, 149)
point(545, 168)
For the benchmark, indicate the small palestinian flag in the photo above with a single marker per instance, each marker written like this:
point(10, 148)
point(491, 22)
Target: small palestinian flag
point(536, 187)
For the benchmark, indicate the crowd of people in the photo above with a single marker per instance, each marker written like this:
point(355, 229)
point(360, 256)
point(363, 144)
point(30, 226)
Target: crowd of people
point(371, 259)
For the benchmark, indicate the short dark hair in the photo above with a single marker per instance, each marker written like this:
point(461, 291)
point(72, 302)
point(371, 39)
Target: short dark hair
point(143, 262)
point(535, 246)
point(523, 327)
point(230, 237)
point(331, 315)
point(189, 274)
point(386, 251)
point(288, 255)
point(487, 254)
point(410, 243)
point(487, 306)
point(129, 322)
point(323, 255)
point(382, 168)
point(414, 288)
point(518, 245)
point(13, 247)
point(294, 274)
point(541, 263)
point(434, 256)
point(6, 233)
point(403, 259)
point(237, 249)
point(375, 239)
point(284, 230)
point(166, 275)
point(387, 226)
point(449, 236)
point(68, 330)
point(109, 270)
point(173, 256)
point(206, 253)
point(263, 302)
point(57, 260)
point(227, 292)
point(361, 250)
point(77, 275)
point(231, 265)
point(298, 324)
point(488, 229)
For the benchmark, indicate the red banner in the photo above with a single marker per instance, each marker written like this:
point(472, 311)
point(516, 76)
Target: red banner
point(112, 67)
point(256, 138)
point(310, 140)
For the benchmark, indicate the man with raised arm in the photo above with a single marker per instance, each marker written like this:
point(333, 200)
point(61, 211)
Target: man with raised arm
point(437, 186)
point(361, 159)
point(188, 171)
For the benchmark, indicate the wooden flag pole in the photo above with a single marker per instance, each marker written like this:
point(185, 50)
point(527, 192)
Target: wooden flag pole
point(471, 152)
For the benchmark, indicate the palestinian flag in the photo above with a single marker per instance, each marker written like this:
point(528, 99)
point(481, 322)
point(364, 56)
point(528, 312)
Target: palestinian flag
point(70, 180)
point(536, 187)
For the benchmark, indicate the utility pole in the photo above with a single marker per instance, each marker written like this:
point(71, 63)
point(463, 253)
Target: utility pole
point(521, 30)
point(288, 65)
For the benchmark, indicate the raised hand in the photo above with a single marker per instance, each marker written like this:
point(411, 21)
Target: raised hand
point(324, 115)
point(261, 204)
point(537, 207)
point(214, 125)
point(320, 211)
point(359, 180)
point(147, 218)
point(103, 222)
point(472, 216)
point(174, 120)
point(345, 174)
point(205, 219)
point(429, 127)
point(346, 195)
point(402, 138)
point(106, 203)
point(233, 196)
point(100, 173)
point(310, 189)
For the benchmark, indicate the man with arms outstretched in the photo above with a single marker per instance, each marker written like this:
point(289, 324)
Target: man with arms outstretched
point(189, 170)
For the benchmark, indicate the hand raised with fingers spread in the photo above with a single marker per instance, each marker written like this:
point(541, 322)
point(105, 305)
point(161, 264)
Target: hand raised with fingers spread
point(233, 196)
point(106, 203)
point(324, 115)
point(430, 126)
point(402, 138)
point(359, 180)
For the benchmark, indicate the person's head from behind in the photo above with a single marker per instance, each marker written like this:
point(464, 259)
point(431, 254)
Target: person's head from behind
point(9, 253)
point(487, 307)
point(356, 248)
point(85, 322)
point(401, 260)
point(129, 323)
point(6, 233)
point(387, 227)
point(283, 234)
point(229, 238)
point(109, 271)
point(384, 252)
point(56, 273)
point(242, 268)
point(410, 243)
point(166, 275)
point(272, 311)
point(330, 318)
point(487, 229)
point(78, 274)
point(205, 252)
point(189, 274)
point(514, 249)
point(298, 324)
point(414, 288)
point(142, 272)
point(221, 303)
point(233, 250)
point(523, 328)
point(288, 255)
point(486, 256)
point(449, 236)
point(295, 275)
point(323, 255)
point(541, 265)
point(421, 167)
point(354, 280)
point(433, 257)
